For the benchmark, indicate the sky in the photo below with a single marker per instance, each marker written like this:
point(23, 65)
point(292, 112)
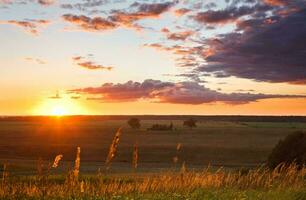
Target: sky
point(120, 57)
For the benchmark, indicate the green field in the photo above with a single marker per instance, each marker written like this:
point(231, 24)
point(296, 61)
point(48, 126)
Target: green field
point(231, 145)
point(218, 143)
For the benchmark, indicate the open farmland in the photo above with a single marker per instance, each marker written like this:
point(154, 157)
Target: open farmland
point(231, 144)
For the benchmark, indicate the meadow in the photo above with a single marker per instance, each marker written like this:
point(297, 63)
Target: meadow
point(218, 159)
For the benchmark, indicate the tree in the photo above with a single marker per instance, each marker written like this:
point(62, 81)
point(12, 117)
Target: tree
point(134, 123)
point(190, 123)
point(290, 150)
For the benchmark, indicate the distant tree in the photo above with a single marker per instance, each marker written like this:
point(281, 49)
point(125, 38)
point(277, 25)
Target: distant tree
point(134, 123)
point(161, 127)
point(191, 123)
point(290, 150)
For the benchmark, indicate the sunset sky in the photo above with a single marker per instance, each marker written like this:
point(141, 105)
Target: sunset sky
point(240, 57)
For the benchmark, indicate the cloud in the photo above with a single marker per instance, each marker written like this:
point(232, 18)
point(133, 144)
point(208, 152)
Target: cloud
point(182, 11)
point(56, 96)
point(168, 92)
point(5, 1)
point(46, 2)
point(90, 24)
point(276, 2)
point(271, 52)
point(139, 11)
point(36, 60)
point(129, 91)
point(89, 5)
point(90, 64)
point(117, 18)
point(75, 97)
point(30, 25)
point(180, 35)
point(229, 14)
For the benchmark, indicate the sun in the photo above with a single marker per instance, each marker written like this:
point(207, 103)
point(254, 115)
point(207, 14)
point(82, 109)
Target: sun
point(59, 107)
point(58, 110)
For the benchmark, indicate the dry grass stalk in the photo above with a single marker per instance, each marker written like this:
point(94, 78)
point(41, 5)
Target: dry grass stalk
point(135, 157)
point(4, 173)
point(82, 190)
point(183, 168)
point(56, 160)
point(176, 158)
point(283, 178)
point(40, 167)
point(77, 163)
point(178, 146)
point(113, 149)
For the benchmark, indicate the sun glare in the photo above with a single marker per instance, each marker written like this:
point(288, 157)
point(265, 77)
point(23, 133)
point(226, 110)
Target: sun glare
point(59, 111)
point(59, 108)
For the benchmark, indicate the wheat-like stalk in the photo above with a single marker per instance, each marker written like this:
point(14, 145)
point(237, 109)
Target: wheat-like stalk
point(77, 163)
point(56, 160)
point(113, 149)
point(135, 157)
point(178, 146)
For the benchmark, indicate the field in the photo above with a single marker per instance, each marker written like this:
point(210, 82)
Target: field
point(235, 145)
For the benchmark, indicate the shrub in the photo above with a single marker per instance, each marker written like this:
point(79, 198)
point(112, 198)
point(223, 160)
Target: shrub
point(134, 123)
point(290, 150)
point(190, 123)
point(161, 127)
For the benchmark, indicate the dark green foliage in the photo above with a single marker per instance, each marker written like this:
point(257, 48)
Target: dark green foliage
point(161, 127)
point(134, 123)
point(191, 123)
point(290, 150)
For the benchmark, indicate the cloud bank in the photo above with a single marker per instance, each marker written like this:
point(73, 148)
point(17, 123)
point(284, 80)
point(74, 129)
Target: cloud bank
point(169, 92)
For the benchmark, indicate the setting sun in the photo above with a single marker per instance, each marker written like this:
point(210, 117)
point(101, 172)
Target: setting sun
point(59, 107)
point(58, 111)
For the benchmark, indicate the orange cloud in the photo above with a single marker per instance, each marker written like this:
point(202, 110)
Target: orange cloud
point(30, 26)
point(182, 11)
point(180, 35)
point(89, 64)
point(277, 2)
point(46, 2)
point(90, 24)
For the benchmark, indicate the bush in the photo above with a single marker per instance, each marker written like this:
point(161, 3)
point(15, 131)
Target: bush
point(134, 123)
point(290, 150)
point(190, 123)
point(161, 127)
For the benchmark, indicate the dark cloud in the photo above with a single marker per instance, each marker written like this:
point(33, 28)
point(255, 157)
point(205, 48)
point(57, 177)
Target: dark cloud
point(168, 92)
point(229, 14)
point(271, 52)
point(84, 6)
point(129, 91)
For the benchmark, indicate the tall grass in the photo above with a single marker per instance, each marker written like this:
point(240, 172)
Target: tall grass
point(261, 179)
point(283, 180)
point(135, 157)
point(113, 149)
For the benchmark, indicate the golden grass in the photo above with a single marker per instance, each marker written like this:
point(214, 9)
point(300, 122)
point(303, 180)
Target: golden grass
point(168, 182)
point(113, 149)
point(283, 177)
